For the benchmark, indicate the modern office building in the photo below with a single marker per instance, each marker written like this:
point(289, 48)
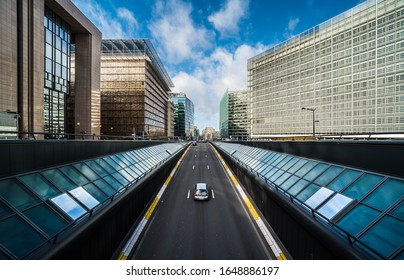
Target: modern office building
point(36, 42)
point(170, 120)
point(134, 89)
point(183, 114)
point(209, 133)
point(224, 116)
point(348, 74)
point(235, 118)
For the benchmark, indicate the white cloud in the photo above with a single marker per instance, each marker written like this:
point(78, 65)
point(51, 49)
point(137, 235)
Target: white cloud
point(177, 34)
point(214, 74)
point(119, 24)
point(290, 30)
point(227, 19)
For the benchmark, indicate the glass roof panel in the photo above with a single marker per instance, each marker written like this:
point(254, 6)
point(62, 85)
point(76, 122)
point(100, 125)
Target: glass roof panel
point(358, 218)
point(290, 163)
point(305, 168)
point(308, 192)
point(328, 175)
point(97, 168)
point(334, 205)
point(117, 185)
point(278, 160)
point(68, 205)
point(106, 166)
point(271, 172)
point(18, 237)
point(300, 185)
point(297, 165)
point(282, 178)
point(386, 194)
point(343, 179)
point(399, 211)
point(289, 182)
point(122, 159)
point(362, 185)
point(5, 211)
point(40, 185)
point(16, 194)
point(84, 197)
point(46, 219)
point(59, 179)
point(74, 175)
point(120, 179)
point(117, 160)
point(319, 197)
point(386, 236)
point(94, 191)
point(106, 187)
point(276, 175)
point(316, 171)
point(125, 174)
point(87, 171)
point(137, 172)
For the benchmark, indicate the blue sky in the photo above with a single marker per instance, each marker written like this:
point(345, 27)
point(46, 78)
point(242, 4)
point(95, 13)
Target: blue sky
point(205, 44)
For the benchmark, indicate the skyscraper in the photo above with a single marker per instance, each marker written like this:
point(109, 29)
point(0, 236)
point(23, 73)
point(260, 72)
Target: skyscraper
point(183, 115)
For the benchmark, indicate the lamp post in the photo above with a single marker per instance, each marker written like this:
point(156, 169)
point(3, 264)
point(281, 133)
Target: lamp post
point(314, 120)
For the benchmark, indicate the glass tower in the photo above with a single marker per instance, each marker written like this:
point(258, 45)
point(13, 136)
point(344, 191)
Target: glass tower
point(56, 71)
point(238, 113)
point(224, 116)
point(183, 115)
point(350, 69)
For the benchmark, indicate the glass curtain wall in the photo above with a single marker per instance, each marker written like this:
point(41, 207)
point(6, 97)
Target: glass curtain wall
point(56, 72)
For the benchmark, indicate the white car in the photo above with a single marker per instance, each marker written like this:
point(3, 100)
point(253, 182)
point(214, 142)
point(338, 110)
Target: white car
point(201, 191)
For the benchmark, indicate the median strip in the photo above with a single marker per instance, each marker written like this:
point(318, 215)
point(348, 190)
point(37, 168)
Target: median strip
point(260, 223)
point(140, 227)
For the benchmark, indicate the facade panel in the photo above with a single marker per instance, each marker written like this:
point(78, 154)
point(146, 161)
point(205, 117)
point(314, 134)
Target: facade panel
point(349, 68)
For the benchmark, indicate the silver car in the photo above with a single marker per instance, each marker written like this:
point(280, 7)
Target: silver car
point(201, 191)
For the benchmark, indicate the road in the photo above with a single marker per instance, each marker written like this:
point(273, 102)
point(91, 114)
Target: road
point(182, 228)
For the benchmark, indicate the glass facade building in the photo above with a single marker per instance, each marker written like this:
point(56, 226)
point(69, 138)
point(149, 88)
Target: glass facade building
point(363, 207)
point(183, 115)
point(224, 116)
point(56, 71)
point(349, 68)
point(134, 89)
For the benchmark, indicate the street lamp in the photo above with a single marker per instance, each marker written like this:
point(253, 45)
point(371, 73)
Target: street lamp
point(314, 120)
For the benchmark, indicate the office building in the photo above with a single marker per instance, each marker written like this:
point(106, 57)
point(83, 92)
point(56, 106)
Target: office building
point(183, 115)
point(209, 133)
point(234, 114)
point(36, 42)
point(347, 73)
point(134, 89)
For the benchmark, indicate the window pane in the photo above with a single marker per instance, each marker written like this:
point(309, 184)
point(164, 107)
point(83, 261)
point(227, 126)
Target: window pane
point(59, 179)
point(117, 160)
point(301, 184)
point(289, 182)
point(357, 219)
point(343, 180)
point(386, 236)
point(97, 193)
point(315, 171)
point(290, 163)
point(334, 205)
point(306, 168)
point(328, 175)
point(86, 171)
point(68, 205)
point(126, 175)
point(40, 185)
point(120, 178)
point(107, 188)
point(386, 194)
point(307, 192)
point(319, 197)
point(399, 211)
point(298, 164)
point(4, 211)
point(18, 237)
point(362, 185)
point(84, 197)
point(74, 175)
point(46, 219)
point(282, 178)
point(97, 168)
point(106, 166)
point(114, 182)
point(17, 195)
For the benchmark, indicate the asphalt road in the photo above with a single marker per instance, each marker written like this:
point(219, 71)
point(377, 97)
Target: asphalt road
point(182, 228)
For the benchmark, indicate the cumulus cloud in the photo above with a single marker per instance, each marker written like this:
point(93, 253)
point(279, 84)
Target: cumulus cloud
point(114, 24)
point(290, 30)
point(205, 86)
point(227, 19)
point(180, 38)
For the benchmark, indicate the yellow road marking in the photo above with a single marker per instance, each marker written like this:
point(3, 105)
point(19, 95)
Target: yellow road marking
point(251, 208)
point(151, 208)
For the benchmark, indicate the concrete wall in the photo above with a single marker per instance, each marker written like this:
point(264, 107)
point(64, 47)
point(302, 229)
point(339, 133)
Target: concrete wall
point(20, 156)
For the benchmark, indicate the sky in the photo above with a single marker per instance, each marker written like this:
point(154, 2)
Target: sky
point(205, 44)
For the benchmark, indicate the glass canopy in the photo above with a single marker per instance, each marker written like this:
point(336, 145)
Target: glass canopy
point(366, 207)
point(36, 206)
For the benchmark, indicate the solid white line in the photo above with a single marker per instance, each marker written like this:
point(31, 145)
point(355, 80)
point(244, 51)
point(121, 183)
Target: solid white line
point(213, 194)
point(189, 192)
point(206, 155)
point(208, 166)
point(193, 166)
point(195, 155)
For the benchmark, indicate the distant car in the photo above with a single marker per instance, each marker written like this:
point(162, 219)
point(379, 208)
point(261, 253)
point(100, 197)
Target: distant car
point(194, 143)
point(201, 191)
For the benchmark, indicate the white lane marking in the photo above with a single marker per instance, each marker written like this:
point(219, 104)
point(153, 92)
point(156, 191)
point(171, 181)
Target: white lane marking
point(195, 155)
point(193, 166)
point(206, 155)
point(189, 192)
point(208, 166)
point(213, 194)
